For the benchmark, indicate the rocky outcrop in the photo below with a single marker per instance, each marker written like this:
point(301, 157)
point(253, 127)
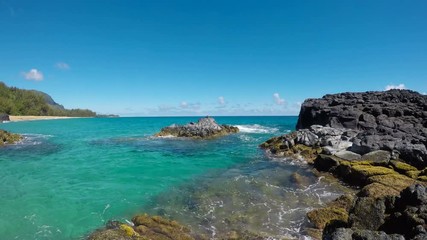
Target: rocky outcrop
point(4, 117)
point(310, 142)
point(9, 138)
point(389, 217)
point(143, 227)
point(205, 128)
point(375, 141)
point(395, 121)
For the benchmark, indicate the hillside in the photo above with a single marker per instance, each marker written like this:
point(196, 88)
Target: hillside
point(15, 101)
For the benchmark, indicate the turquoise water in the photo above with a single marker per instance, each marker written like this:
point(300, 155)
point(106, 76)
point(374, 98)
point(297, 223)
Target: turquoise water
point(68, 177)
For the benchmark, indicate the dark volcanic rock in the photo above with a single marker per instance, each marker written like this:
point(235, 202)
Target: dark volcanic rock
point(395, 120)
point(4, 117)
point(204, 128)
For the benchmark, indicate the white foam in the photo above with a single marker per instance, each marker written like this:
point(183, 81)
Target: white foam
point(256, 128)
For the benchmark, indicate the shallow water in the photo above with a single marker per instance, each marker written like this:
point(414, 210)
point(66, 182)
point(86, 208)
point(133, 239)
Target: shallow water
point(70, 176)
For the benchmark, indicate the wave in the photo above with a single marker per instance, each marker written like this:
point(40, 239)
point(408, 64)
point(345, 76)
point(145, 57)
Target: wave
point(256, 128)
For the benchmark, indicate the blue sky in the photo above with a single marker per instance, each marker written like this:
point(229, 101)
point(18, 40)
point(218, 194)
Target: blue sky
point(155, 58)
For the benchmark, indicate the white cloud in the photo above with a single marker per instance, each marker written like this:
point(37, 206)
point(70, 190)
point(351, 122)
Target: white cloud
point(62, 66)
point(184, 104)
point(391, 86)
point(221, 100)
point(278, 100)
point(34, 74)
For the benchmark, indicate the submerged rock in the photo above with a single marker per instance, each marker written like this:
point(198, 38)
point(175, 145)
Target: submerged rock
point(144, 227)
point(205, 128)
point(9, 138)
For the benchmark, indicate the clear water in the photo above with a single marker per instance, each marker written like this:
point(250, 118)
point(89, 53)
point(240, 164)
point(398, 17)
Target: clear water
point(68, 177)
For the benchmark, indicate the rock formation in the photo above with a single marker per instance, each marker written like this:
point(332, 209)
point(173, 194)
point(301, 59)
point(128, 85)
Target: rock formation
point(9, 138)
point(373, 140)
point(395, 120)
point(4, 117)
point(205, 128)
point(143, 227)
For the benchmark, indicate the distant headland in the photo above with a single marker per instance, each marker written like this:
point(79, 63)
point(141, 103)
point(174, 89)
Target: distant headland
point(22, 104)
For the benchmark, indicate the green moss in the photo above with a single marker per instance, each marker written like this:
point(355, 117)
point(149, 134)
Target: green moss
point(368, 170)
point(377, 190)
point(402, 167)
point(158, 228)
point(128, 230)
point(422, 178)
point(395, 181)
point(9, 138)
point(412, 174)
point(320, 217)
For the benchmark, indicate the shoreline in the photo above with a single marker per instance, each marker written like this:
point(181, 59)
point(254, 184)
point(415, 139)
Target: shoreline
point(33, 118)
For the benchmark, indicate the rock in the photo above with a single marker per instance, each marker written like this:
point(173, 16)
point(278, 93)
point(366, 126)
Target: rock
point(377, 190)
point(359, 174)
point(415, 195)
point(320, 217)
point(378, 156)
point(391, 120)
point(374, 235)
point(9, 138)
point(310, 141)
point(145, 227)
point(4, 117)
point(347, 155)
point(409, 214)
point(394, 181)
point(367, 213)
point(299, 180)
point(109, 234)
point(339, 234)
point(344, 201)
point(326, 162)
point(204, 128)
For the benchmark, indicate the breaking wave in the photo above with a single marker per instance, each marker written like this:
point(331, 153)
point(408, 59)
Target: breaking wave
point(256, 128)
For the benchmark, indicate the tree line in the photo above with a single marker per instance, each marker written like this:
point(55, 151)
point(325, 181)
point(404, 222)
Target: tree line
point(15, 101)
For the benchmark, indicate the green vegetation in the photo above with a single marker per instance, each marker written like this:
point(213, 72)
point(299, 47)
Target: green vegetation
point(15, 101)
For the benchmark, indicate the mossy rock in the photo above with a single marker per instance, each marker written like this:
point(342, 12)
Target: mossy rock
point(402, 167)
point(377, 190)
point(9, 138)
point(109, 234)
point(367, 213)
point(158, 228)
point(344, 201)
point(360, 173)
point(422, 178)
point(320, 217)
point(395, 181)
point(145, 228)
point(412, 174)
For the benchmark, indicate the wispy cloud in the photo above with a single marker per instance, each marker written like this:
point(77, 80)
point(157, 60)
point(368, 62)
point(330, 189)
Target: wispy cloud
point(183, 104)
point(33, 74)
point(278, 100)
point(391, 86)
point(221, 100)
point(62, 65)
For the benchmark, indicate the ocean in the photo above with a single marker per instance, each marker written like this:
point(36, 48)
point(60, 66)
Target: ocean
point(70, 176)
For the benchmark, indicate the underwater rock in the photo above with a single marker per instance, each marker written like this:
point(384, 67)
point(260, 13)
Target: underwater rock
point(144, 227)
point(205, 128)
point(9, 138)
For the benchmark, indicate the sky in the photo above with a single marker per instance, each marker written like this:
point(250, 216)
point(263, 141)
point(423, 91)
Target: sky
point(185, 58)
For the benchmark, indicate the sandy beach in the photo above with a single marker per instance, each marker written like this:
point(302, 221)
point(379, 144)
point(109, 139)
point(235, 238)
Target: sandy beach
point(31, 118)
